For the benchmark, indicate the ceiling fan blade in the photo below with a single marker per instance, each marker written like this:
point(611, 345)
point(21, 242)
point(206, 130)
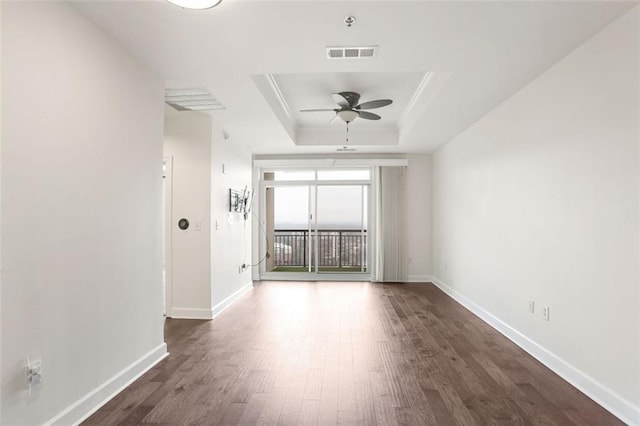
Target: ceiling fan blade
point(379, 103)
point(368, 115)
point(346, 99)
point(316, 110)
point(340, 100)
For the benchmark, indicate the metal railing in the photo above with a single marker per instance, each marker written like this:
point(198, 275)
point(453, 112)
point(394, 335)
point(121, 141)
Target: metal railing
point(336, 248)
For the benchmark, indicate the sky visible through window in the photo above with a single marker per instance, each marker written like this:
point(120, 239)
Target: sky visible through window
point(340, 207)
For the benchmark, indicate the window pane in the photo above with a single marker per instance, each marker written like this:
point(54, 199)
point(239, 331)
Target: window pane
point(339, 207)
point(341, 233)
point(354, 174)
point(287, 229)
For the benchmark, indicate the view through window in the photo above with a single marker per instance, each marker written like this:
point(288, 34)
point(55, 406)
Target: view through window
point(317, 221)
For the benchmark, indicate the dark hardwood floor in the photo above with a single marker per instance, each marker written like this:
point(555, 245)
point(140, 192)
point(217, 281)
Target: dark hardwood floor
point(347, 353)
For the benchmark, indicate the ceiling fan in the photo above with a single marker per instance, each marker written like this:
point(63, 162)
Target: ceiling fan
point(349, 108)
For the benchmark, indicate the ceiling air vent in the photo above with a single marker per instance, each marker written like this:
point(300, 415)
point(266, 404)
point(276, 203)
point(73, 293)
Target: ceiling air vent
point(193, 99)
point(352, 52)
point(345, 149)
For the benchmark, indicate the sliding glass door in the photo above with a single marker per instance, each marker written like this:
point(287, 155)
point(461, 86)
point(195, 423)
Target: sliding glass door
point(341, 228)
point(288, 229)
point(316, 226)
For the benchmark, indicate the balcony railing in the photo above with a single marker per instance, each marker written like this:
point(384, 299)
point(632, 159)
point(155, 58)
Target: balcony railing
point(341, 249)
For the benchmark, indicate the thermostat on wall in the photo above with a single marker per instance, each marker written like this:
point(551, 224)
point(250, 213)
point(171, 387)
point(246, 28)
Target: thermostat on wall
point(183, 224)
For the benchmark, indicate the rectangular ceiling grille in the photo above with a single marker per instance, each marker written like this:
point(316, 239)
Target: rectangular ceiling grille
point(352, 52)
point(192, 99)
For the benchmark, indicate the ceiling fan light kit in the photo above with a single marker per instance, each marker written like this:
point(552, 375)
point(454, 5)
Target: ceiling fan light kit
point(195, 4)
point(347, 115)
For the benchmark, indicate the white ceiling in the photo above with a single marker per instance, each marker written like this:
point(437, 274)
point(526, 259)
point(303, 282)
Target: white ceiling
point(474, 55)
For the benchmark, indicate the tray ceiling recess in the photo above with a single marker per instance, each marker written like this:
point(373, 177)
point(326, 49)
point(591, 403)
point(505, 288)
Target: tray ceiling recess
point(288, 94)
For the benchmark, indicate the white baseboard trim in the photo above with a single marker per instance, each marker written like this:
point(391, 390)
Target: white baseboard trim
point(217, 310)
point(209, 314)
point(618, 406)
point(190, 313)
point(91, 402)
point(420, 278)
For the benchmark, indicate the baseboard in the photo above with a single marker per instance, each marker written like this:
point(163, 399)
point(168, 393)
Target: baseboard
point(217, 310)
point(209, 314)
point(190, 313)
point(90, 403)
point(614, 403)
point(420, 278)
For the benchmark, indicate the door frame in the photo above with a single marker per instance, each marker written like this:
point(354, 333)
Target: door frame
point(168, 236)
point(317, 276)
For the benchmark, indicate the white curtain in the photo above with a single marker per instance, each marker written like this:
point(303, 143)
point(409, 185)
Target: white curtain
point(391, 224)
point(378, 254)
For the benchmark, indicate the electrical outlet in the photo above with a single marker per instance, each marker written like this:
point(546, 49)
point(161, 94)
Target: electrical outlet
point(545, 313)
point(532, 307)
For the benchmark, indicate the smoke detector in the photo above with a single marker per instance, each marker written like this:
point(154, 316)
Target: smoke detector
point(349, 20)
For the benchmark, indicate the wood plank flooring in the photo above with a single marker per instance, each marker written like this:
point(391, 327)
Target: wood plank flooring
point(346, 353)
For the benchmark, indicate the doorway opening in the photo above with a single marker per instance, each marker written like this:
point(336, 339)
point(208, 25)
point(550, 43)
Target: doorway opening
point(317, 224)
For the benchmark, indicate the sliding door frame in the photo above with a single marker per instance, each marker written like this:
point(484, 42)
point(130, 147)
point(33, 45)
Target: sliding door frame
point(313, 185)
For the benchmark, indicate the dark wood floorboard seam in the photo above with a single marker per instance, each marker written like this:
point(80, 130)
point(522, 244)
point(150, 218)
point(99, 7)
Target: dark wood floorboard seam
point(346, 353)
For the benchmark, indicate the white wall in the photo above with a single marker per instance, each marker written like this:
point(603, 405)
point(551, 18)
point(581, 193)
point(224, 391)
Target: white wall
point(205, 276)
point(539, 201)
point(231, 242)
point(419, 217)
point(81, 183)
point(187, 141)
point(0, 199)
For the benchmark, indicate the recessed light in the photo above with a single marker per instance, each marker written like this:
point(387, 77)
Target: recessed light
point(195, 4)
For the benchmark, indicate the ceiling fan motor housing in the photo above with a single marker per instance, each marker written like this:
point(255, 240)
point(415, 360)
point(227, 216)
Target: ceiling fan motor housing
point(352, 99)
